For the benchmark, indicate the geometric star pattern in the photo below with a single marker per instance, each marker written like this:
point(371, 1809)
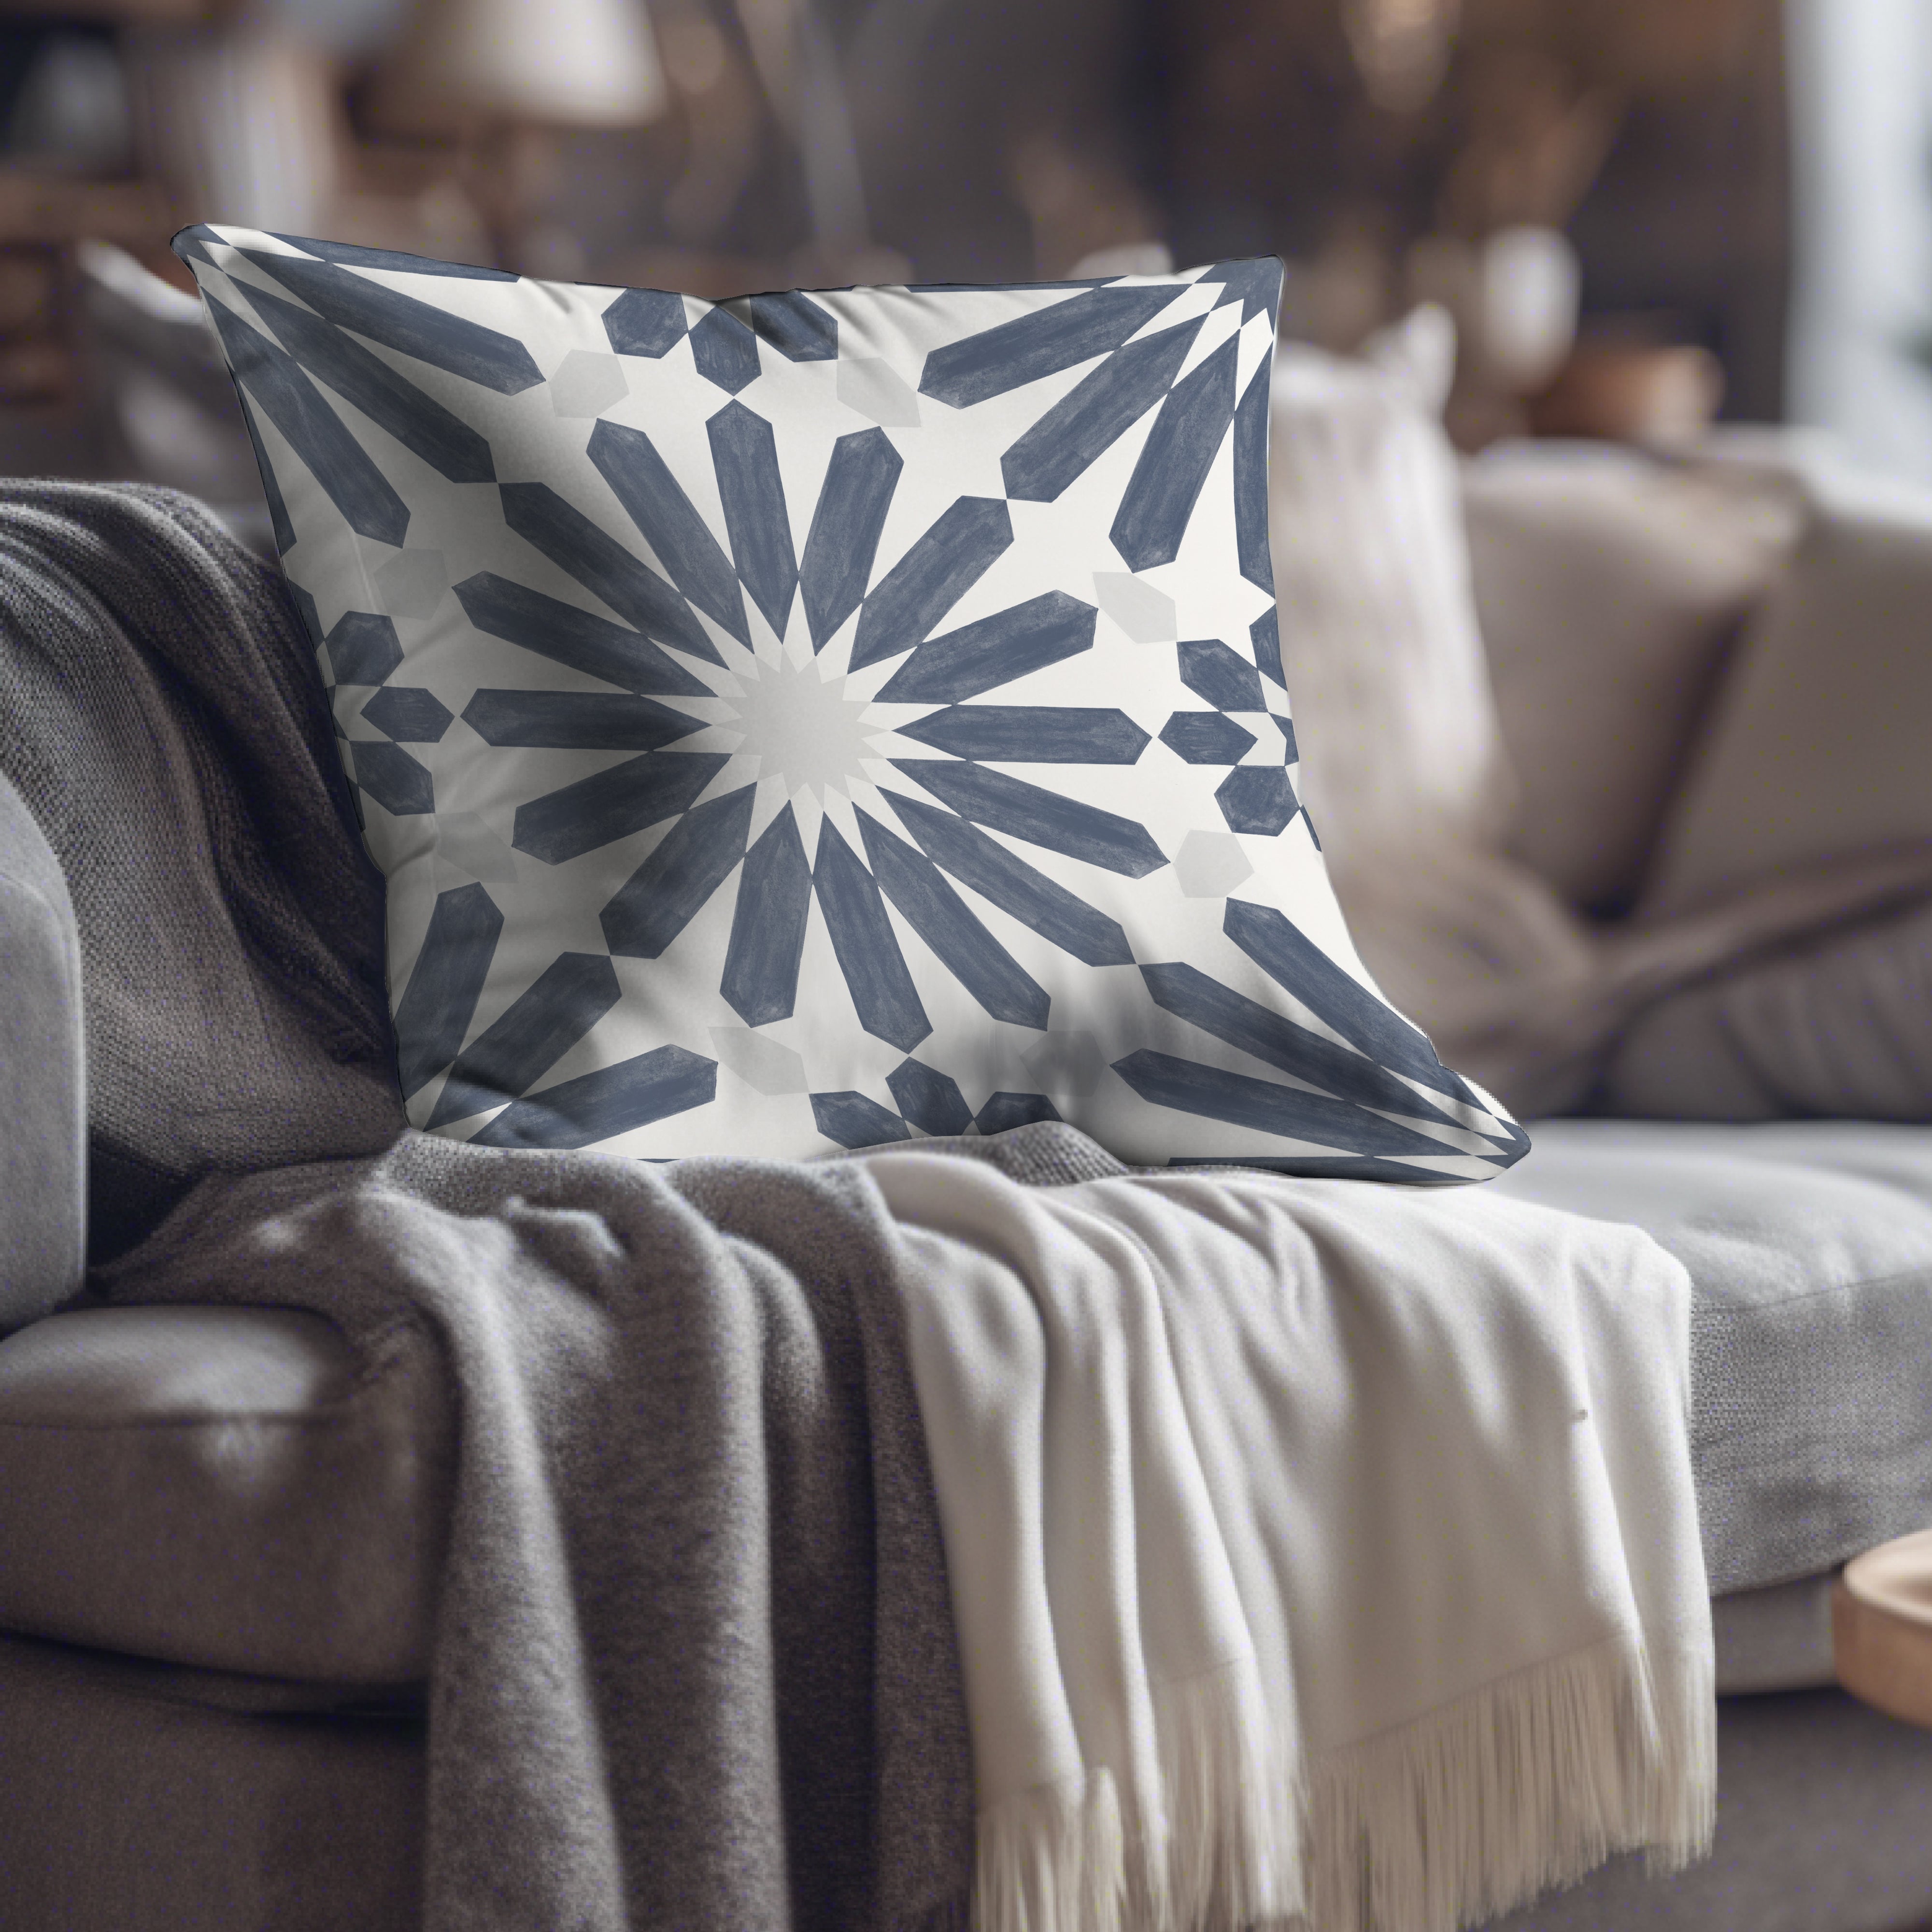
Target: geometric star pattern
point(823, 719)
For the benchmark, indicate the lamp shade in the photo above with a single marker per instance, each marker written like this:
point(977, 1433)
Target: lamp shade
point(570, 63)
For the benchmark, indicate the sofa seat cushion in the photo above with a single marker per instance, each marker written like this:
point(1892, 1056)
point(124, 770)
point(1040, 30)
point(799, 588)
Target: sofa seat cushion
point(1776, 1639)
point(1809, 1245)
point(235, 1489)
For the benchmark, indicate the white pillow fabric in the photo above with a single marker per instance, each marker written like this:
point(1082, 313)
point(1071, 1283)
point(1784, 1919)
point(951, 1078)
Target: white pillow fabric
point(814, 720)
point(1381, 642)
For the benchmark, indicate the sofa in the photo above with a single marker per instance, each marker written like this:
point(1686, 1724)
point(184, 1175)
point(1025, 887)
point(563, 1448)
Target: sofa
point(220, 1529)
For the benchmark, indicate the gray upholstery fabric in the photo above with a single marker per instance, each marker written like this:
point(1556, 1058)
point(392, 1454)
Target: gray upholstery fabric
point(1776, 1639)
point(228, 1488)
point(693, 1658)
point(1839, 1026)
point(151, 1801)
point(231, 1488)
point(1810, 1248)
point(235, 1488)
point(1824, 1817)
point(132, 1804)
point(42, 1099)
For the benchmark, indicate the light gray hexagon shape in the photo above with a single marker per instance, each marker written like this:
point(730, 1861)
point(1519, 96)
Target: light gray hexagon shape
point(1146, 614)
point(761, 1063)
point(465, 841)
point(1210, 865)
point(587, 382)
point(412, 583)
point(876, 389)
point(1069, 1064)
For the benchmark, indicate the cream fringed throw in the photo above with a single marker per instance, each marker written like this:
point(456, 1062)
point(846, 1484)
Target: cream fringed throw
point(1314, 1546)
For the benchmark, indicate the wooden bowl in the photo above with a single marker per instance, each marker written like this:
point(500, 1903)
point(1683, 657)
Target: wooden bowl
point(1882, 1628)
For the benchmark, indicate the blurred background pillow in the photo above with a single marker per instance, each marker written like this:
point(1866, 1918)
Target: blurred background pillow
point(162, 403)
point(1815, 756)
point(1820, 745)
point(1609, 584)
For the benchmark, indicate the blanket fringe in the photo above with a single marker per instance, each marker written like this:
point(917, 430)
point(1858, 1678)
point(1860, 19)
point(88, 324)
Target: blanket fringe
point(1683, 1818)
point(1052, 1859)
point(1529, 1782)
point(1224, 1851)
point(1235, 1826)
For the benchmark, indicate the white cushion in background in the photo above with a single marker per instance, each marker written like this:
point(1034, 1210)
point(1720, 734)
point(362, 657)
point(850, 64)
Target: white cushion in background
point(1608, 586)
point(1816, 747)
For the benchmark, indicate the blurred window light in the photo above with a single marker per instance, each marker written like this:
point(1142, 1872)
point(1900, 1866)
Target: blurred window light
point(1860, 357)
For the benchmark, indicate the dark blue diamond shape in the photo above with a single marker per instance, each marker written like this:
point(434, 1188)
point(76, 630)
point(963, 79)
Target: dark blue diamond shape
point(645, 321)
point(797, 327)
point(1264, 636)
point(725, 351)
point(408, 714)
point(445, 982)
point(393, 779)
point(1015, 1110)
point(930, 1099)
point(1224, 677)
point(1206, 738)
point(853, 1121)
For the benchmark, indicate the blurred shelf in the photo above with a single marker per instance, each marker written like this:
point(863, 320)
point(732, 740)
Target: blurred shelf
point(46, 208)
point(130, 12)
point(42, 216)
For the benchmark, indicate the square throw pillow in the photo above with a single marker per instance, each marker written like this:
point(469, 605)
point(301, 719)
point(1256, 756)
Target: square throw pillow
point(818, 720)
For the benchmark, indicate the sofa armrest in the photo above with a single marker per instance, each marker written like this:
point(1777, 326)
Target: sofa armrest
point(43, 1094)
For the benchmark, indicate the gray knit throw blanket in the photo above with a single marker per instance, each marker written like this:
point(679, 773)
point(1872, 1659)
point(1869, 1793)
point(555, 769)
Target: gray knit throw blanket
point(694, 1663)
point(164, 721)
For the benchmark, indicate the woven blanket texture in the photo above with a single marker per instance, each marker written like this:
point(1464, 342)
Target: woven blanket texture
point(694, 1661)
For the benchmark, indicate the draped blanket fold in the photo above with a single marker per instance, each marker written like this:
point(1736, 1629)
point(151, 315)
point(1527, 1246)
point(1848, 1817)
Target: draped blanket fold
point(692, 1662)
point(1315, 1548)
point(834, 1543)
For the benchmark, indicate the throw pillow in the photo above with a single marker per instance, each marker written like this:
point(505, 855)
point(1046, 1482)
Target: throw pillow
point(813, 721)
point(1815, 751)
point(1838, 1025)
point(1609, 586)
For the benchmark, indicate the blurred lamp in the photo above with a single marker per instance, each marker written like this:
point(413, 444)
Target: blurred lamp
point(501, 77)
point(1530, 283)
point(1401, 47)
